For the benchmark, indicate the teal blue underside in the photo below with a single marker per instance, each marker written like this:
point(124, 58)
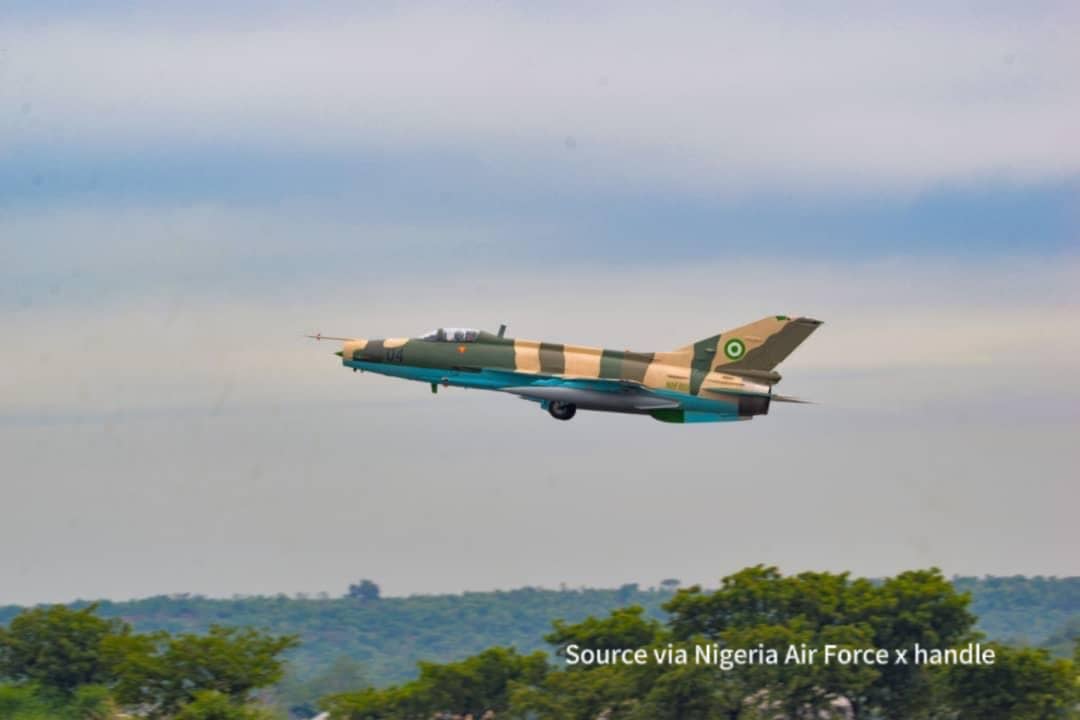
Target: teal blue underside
point(692, 409)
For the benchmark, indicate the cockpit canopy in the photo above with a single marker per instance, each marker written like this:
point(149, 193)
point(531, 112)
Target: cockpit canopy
point(452, 335)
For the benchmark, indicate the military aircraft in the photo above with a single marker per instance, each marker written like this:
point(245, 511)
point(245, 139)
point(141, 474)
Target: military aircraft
point(724, 377)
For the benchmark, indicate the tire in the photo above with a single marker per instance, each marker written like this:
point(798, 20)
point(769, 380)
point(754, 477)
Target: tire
point(562, 410)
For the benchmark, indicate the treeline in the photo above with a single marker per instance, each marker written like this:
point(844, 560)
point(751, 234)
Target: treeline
point(62, 664)
point(1026, 610)
point(756, 608)
point(388, 636)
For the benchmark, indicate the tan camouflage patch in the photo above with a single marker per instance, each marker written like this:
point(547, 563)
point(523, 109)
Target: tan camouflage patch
point(669, 371)
point(351, 346)
point(394, 342)
point(527, 356)
point(583, 361)
point(752, 336)
point(656, 375)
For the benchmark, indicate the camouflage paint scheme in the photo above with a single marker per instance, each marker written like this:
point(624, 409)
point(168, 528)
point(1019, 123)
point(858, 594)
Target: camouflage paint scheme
point(728, 376)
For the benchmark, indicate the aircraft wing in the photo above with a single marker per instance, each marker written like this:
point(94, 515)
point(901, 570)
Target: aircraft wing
point(593, 394)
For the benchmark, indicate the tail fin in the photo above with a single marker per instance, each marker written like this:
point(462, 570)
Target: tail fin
point(759, 346)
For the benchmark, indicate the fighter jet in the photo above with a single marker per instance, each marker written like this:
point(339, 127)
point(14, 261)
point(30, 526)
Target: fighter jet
point(724, 377)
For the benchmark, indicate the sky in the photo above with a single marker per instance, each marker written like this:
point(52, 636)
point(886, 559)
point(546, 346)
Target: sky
point(185, 192)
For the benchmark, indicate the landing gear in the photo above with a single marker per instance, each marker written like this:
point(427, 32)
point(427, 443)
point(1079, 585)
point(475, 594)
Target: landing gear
point(562, 410)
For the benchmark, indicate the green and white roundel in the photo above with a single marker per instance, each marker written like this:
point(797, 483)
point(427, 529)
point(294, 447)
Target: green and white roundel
point(734, 349)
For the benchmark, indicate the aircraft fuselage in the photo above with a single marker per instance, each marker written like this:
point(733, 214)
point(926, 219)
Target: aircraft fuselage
point(664, 385)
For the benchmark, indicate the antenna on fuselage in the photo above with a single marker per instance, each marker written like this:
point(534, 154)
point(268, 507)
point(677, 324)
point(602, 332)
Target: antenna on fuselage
point(502, 330)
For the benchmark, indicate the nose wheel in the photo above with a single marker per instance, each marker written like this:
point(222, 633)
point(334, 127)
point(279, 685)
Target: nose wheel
point(562, 410)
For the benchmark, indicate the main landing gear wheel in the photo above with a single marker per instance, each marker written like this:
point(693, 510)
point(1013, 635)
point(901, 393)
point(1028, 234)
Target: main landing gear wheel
point(562, 410)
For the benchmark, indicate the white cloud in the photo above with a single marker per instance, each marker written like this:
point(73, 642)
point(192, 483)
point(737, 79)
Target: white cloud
point(699, 96)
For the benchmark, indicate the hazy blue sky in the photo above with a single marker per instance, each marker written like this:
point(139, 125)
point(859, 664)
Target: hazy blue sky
point(184, 193)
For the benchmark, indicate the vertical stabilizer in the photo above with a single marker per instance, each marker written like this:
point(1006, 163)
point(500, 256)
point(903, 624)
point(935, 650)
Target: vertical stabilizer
point(761, 345)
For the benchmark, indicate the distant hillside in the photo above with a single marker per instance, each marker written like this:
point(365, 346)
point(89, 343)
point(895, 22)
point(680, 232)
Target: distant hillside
point(1023, 610)
point(390, 635)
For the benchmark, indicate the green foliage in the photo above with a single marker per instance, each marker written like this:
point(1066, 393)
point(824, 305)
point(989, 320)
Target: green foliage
point(73, 665)
point(608, 688)
point(350, 644)
point(475, 686)
point(300, 696)
point(1022, 684)
point(1062, 642)
point(914, 607)
point(693, 692)
point(762, 596)
point(760, 607)
point(30, 701)
point(24, 702)
point(756, 608)
point(607, 691)
point(214, 705)
point(161, 673)
point(92, 702)
point(390, 636)
point(58, 648)
point(366, 590)
point(623, 628)
point(1022, 610)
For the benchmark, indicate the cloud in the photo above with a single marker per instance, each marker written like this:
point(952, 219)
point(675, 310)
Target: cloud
point(702, 98)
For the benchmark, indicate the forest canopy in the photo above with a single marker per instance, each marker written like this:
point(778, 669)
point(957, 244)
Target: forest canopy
point(389, 635)
point(505, 652)
point(755, 612)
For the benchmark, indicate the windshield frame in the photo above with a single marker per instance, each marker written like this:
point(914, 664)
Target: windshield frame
point(452, 335)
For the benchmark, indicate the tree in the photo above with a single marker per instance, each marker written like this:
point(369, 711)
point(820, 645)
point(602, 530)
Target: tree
point(59, 648)
point(604, 692)
point(161, 673)
point(690, 692)
point(476, 685)
point(919, 606)
point(670, 584)
point(301, 696)
point(623, 628)
point(213, 705)
point(480, 683)
point(34, 702)
point(1022, 684)
point(22, 701)
point(366, 590)
point(754, 596)
point(755, 608)
point(913, 607)
point(92, 702)
point(626, 592)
